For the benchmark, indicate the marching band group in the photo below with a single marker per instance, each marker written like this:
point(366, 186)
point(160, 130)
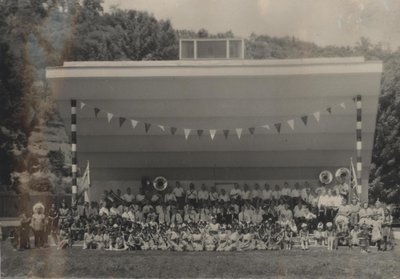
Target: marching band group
point(197, 220)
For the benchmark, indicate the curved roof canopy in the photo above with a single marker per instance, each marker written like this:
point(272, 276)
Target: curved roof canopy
point(225, 94)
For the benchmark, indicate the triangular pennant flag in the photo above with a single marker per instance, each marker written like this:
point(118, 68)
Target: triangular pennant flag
point(266, 126)
point(187, 132)
point(316, 115)
point(343, 105)
point(212, 133)
point(278, 127)
point(121, 121)
point(173, 130)
point(252, 130)
point(147, 127)
point(291, 123)
point(304, 119)
point(200, 132)
point(109, 116)
point(82, 105)
point(161, 127)
point(96, 111)
point(239, 132)
point(226, 133)
point(329, 110)
point(134, 123)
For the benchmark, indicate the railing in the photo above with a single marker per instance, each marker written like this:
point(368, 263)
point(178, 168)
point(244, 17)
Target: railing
point(12, 205)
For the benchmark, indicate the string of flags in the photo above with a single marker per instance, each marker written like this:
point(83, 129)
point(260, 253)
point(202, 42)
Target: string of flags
point(212, 132)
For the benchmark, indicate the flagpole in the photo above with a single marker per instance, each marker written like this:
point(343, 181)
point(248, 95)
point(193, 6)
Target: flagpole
point(74, 187)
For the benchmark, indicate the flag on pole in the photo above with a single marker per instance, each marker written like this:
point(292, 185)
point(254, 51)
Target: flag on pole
point(85, 183)
point(353, 181)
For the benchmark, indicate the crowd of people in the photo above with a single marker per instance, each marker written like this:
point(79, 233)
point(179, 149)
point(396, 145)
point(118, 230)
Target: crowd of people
point(178, 219)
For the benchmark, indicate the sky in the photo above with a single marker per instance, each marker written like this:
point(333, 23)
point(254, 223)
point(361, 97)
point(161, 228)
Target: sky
point(325, 22)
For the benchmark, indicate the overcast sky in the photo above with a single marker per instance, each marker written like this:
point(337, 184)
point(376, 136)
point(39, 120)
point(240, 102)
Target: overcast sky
point(338, 22)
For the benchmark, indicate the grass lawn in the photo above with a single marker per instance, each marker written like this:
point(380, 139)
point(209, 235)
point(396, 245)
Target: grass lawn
point(316, 263)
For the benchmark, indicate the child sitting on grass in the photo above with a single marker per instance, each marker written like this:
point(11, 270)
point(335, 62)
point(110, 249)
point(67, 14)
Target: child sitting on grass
point(303, 234)
point(363, 237)
point(320, 234)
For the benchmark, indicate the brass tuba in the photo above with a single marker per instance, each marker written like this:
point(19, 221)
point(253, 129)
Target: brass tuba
point(325, 177)
point(342, 174)
point(160, 183)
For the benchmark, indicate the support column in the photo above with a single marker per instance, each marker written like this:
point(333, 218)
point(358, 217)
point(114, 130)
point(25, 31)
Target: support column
point(359, 147)
point(73, 151)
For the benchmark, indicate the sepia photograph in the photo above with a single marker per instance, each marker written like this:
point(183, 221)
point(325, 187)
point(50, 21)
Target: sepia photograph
point(199, 138)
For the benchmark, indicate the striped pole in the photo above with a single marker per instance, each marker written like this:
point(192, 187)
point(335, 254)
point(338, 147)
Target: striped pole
point(359, 139)
point(73, 151)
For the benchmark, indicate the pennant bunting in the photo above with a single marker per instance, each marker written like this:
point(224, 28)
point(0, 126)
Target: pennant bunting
point(329, 110)
point(96, 112)
point(212, 133)
point(82, 105)
point(342, 105)
point(134, 123)
point(147, 127)
point(317, 115)
point(121, 121)
point(187, 132)
point(252, 130)
point(161, 127)
point(109, 116)
point(278, 127)
point(304, 119)
point(291, 123)
point(239, 132)
point(226, 133)
point(200, 132)
point(266, 126)
point(173, 130)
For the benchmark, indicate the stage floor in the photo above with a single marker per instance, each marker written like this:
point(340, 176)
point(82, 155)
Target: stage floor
point(315, 263)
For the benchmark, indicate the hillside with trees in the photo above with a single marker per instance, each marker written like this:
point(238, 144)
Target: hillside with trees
point(36, 33)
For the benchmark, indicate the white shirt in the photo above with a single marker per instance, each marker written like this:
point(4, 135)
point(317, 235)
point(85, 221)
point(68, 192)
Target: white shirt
point(178, 192)
point(140, 197)
point(235, 193)
point(128, 197)
point(104, 211)
point(276, 194)
point(285, 192)
point(169, 197)
point(203, 195)
point(295, 193)
point(266, 194)
point(224, 198)
point(214, 196)
point(191, 194)
point(246, 195)
point(255, 193)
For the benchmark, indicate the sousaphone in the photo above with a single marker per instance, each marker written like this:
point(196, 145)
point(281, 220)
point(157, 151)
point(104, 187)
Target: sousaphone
point(160, 183)
point(325, 177)
point(342, 175)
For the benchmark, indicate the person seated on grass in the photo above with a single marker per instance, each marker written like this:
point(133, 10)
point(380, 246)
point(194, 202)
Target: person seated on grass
point(354, 235)
point(303, 235)
point(65, 240)
point(88, 240)
point(320, 235)
point(331, 236)
point(364, 237)
point(174, 239)
point(287, 242)
point(222, 239)
point(119, 244)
